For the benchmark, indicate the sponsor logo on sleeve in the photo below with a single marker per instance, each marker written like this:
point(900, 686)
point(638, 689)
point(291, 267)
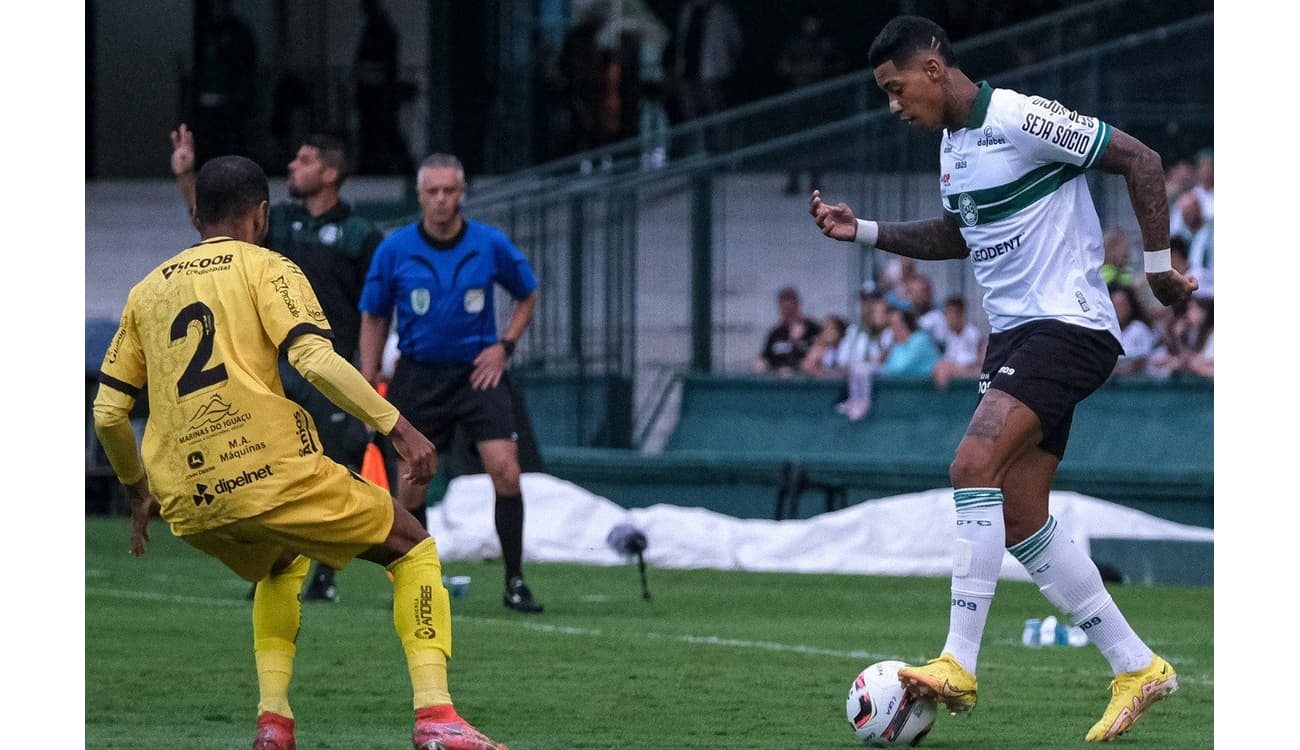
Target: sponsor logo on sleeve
point(281, 286)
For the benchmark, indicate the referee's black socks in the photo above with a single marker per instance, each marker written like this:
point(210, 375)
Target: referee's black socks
point(510, 530)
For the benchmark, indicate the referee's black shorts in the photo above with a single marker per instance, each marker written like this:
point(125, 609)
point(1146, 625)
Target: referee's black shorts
point(435, 397)
point(1050, 367)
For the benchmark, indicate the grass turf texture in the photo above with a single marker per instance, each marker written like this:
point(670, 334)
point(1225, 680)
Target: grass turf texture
point(715, 660)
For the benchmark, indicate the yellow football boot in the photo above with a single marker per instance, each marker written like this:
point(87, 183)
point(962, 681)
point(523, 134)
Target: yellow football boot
point(1132, 693)
point(944, 680)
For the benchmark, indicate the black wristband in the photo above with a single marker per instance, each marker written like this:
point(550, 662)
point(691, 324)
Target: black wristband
point(508, 345)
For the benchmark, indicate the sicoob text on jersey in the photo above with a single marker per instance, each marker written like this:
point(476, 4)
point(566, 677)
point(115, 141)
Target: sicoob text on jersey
point(198, 265)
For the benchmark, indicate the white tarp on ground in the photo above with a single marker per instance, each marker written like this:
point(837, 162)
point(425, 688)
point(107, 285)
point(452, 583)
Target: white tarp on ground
point(901, 535)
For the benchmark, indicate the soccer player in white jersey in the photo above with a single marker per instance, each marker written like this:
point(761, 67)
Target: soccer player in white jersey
point(1016, 203)
point(237, 469)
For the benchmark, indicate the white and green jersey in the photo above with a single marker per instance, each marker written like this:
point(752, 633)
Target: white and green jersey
point(1013, 179)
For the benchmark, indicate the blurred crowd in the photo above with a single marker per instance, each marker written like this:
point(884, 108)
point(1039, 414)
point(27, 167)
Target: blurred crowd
point(632, 68)
point(899, 329)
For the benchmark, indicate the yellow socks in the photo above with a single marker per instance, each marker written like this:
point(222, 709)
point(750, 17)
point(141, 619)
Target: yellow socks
point(277, 613)
point(422, 617)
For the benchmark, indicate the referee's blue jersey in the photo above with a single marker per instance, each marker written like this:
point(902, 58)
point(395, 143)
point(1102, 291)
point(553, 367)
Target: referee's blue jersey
point(441, 292)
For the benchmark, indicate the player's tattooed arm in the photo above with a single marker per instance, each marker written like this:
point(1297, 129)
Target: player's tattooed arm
point(928, 239)
point(1140, 166)
point(1145, 177)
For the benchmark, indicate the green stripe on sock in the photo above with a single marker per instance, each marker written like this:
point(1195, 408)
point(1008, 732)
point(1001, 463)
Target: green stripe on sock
point(1030, 548)
point(968, 499)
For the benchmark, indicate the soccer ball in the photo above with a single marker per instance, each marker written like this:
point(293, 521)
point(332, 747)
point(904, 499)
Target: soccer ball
point(882, 713)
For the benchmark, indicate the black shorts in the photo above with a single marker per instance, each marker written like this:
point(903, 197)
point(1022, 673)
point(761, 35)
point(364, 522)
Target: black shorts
point(1050, 367)
point(435, 397)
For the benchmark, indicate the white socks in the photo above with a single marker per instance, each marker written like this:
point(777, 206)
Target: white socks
point(1070, 581)
point(976, 564)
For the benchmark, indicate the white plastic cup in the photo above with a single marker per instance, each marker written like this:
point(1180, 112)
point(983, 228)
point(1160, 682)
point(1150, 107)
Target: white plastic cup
point(1031, 633)
point(458, 586)
point(1047, 636)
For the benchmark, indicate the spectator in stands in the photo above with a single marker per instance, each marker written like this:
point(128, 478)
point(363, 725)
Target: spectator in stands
point(1116, 267)
point(1201, 361)
point(1180, 177)
point(332, 245)
point(1187, 344)
point(787, 342)
point(920, 296)
point(898, 273)
point(1055, 340)
point(961, 342)
point(913, 352)
point(863, 350)
point(1136, 335)
point(821, 360)
point(809, 56)
point(708, 46)
point(437, 276)
point(1204, 187)
point(1197, 230)
point(582, 64)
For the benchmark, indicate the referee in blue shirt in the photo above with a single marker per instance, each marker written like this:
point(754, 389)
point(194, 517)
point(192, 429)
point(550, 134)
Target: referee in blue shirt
point(437, 276)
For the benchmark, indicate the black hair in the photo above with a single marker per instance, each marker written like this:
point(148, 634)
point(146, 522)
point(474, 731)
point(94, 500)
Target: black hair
point(908, 317)
point(333, 152)
point(956, 301)
point(228, 187)
point(904, 36)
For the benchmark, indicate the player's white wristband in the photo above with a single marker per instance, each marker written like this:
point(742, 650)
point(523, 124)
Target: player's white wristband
point(868, 232)
point(1157, 261)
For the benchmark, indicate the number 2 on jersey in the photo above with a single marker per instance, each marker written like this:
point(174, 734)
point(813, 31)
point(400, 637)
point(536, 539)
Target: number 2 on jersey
point(195, 377)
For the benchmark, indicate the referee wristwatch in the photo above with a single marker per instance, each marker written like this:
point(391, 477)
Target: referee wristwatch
point(508, 345)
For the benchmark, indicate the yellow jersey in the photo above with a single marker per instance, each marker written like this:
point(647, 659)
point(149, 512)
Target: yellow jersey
point(202, 332)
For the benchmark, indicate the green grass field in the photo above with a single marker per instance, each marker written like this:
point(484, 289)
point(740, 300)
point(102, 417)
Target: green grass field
point(714, 660)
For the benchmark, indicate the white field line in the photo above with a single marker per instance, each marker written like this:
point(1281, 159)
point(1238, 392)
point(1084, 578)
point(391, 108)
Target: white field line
point(858, 656)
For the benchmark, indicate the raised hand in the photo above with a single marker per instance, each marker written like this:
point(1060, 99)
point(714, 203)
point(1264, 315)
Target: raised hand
point(837, 222)
point(182, 151)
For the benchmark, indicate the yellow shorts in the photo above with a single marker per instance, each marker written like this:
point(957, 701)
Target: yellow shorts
point(336, 520)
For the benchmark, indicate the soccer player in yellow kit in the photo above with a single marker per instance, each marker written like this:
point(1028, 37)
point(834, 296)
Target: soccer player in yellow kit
point(236, 468)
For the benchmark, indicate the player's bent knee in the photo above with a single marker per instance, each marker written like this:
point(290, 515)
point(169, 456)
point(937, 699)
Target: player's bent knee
point(406, 532)
point(973, 466)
